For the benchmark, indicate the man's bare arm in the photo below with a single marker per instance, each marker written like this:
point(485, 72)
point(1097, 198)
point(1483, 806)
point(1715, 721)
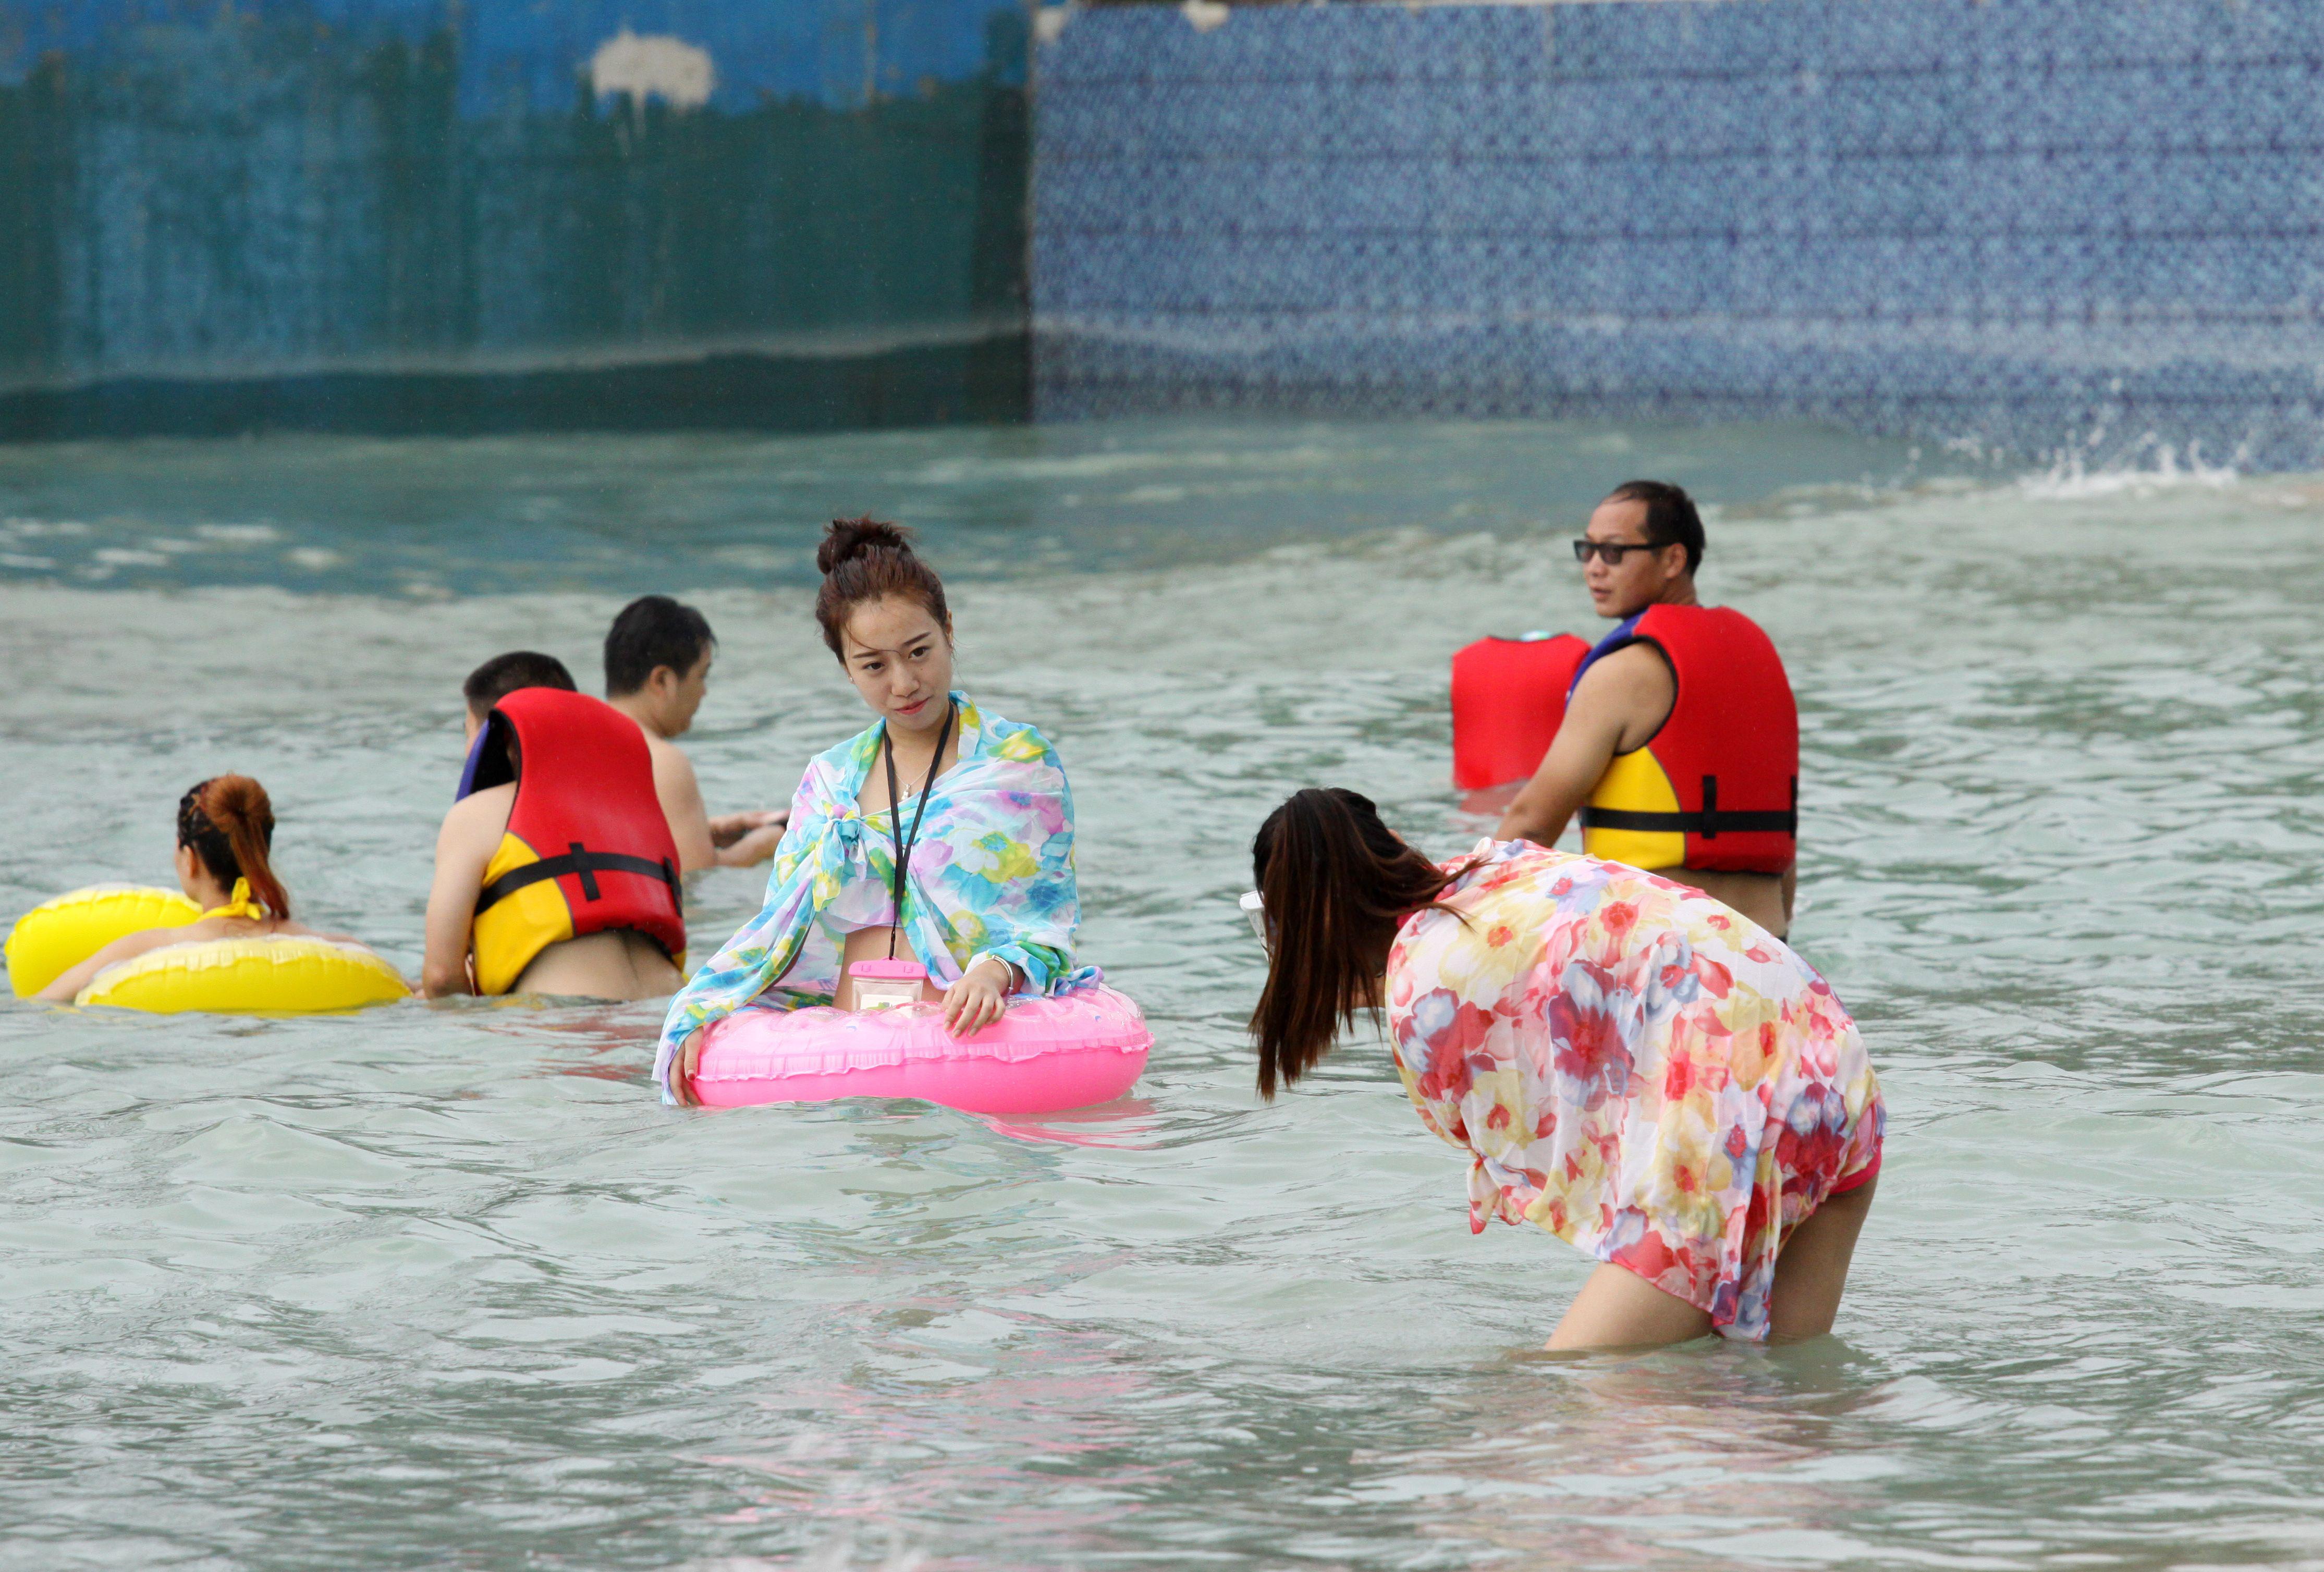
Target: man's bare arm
point(1617, 705)
point(681, 804)
point(464, 849)
point(729, 840)
point(747, 839)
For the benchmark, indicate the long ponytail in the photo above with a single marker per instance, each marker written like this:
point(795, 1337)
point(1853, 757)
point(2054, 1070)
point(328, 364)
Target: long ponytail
point(1337, 884)
point(229, 822)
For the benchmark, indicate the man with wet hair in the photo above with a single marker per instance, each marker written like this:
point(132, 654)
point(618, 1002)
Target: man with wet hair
point(504, 674)
point(1680, 743)
point(658, 657)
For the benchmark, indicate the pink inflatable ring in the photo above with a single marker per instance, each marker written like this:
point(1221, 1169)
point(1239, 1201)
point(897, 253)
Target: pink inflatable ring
point(1044, 1055)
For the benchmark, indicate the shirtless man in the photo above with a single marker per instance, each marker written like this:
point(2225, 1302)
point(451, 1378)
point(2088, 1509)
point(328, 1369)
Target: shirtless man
point(1705, 792)
point(602, 929)
point(657, 658)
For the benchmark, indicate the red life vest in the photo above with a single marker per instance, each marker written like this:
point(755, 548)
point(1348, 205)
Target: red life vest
point(1718, 786)
point(586, 850)
point(1508, 696)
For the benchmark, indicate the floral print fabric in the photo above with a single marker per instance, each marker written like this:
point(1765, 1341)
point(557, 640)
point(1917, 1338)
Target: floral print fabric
point(1632, 1066)
point(992, 874)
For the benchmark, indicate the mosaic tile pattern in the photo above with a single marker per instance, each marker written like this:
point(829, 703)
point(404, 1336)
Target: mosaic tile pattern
point(2038, 224)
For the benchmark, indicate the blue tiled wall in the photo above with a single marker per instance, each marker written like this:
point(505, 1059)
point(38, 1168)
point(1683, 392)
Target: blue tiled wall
point(2037, 224)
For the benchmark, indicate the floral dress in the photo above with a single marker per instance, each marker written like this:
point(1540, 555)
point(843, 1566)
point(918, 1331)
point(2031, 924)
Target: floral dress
point(990, 873)
point(1633, 1066)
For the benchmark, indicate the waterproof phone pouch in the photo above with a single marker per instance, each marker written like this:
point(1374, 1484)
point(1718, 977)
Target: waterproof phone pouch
point(882, 985)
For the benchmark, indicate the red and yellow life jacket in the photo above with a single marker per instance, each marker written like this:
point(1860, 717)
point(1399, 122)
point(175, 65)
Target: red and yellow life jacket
point(586, 848)
point(1718, 785)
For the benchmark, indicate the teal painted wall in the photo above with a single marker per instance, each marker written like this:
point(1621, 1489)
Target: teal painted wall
point(421, 215)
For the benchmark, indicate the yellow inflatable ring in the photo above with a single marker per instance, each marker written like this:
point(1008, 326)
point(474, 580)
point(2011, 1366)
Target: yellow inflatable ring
point(248, 977)
point(59, 935)
point(225, 976)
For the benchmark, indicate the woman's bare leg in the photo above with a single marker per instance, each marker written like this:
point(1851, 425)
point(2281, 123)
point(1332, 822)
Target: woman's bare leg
point(1619, 1308)
point(1812, 1270)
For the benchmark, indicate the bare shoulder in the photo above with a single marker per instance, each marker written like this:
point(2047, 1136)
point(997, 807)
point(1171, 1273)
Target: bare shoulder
point(478, 818)
point(1635, 671)
point(1628, 696)
point(670, 760)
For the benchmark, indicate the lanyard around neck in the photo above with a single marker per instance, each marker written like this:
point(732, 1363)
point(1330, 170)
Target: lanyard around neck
point(904, 843)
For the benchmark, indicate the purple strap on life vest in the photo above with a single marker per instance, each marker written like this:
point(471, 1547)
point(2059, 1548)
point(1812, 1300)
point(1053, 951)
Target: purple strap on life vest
point(475, 757)
point(1624, 633)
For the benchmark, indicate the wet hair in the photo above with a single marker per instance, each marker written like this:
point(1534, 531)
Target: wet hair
point(504, 674)
point(1671, 517)
point(863, 559)
point(230, 824)
point(653, 631)
point(1337, 884)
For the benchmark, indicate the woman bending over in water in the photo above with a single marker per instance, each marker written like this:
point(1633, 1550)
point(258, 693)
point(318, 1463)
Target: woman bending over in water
point(1631, 1066)
point(973, 808)
point(226, 833)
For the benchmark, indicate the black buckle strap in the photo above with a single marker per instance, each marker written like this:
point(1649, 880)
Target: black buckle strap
point(1786, 822)
point(584, 862)
point(1710, 823)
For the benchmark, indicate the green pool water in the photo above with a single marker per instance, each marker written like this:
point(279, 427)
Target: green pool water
point(447, 1286)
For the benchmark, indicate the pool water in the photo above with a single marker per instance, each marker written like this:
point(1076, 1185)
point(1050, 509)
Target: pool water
point(445, 1285)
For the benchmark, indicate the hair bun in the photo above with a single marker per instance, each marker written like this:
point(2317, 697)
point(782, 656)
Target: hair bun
point(849, 538)
point(237, 797)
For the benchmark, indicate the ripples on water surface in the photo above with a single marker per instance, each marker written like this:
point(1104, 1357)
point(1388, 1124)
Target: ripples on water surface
point(447, 1286)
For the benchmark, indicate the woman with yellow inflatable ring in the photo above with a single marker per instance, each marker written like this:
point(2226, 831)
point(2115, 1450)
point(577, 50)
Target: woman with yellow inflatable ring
point(242, 951)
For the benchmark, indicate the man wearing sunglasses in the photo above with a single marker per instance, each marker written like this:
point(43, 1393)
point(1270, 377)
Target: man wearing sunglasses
point(1679, 747)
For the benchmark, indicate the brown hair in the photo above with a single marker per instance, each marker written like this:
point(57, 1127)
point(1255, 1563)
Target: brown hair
point(230, 826)
point(863, 559)
point(1337, 884)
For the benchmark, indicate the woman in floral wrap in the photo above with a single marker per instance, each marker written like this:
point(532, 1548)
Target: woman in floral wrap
point(978, 805)
point(1630, 1065)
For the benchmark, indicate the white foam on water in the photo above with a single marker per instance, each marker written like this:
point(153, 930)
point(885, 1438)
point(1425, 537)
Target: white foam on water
point(2153, 467)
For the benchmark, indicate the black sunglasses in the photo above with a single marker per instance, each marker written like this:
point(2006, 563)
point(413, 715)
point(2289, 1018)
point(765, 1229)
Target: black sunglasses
point(1611, 551)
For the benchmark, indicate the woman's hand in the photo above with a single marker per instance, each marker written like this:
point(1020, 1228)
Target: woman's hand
point(682, 1066)
point(978, 999)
